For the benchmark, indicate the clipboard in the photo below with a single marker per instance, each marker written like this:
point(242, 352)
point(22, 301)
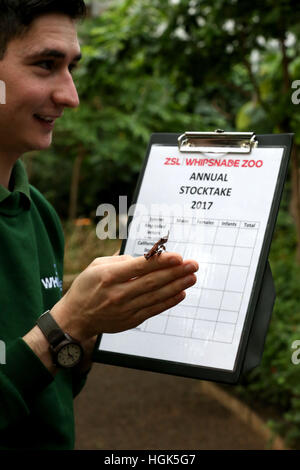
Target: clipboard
point(232, 184)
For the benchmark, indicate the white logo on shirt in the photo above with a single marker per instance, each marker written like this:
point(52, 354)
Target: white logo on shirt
point(53, 281)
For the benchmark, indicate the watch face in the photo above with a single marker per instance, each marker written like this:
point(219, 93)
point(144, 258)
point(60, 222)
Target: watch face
point(69, 355)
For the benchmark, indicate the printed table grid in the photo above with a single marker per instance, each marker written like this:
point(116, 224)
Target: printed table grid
point(225, 248)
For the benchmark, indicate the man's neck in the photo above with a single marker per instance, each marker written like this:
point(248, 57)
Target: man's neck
point(6, 165)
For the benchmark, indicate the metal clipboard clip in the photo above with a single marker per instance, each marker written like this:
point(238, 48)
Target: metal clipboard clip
point(218, 141)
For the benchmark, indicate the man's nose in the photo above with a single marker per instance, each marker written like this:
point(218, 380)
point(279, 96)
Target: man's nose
point(65, 93)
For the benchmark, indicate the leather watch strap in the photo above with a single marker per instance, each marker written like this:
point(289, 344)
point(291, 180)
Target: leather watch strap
point(50, 328)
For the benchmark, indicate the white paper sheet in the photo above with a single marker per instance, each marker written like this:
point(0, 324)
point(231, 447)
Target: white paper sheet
point(216, 210)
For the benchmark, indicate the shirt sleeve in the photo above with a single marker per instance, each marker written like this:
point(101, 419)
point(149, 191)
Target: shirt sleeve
point(22, 378)
point(78, 382)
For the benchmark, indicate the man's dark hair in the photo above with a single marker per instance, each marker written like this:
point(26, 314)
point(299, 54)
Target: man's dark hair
point(16, 16)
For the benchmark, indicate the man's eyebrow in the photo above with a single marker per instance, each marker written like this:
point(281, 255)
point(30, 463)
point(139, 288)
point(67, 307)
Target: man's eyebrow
point(52, 53)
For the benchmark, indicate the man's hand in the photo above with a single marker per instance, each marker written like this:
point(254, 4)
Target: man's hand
point(117, 293)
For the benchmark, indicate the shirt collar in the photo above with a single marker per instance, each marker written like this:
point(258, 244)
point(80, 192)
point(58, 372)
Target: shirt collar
point(18, 184)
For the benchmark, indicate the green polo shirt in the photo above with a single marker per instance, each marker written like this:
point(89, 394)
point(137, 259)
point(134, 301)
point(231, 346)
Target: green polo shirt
point(36, 410)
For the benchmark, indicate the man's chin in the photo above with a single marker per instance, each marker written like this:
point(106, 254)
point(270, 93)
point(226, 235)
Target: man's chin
point(42, 145)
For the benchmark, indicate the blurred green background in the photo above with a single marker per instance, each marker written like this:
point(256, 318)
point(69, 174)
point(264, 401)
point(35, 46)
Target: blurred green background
point(170, 66)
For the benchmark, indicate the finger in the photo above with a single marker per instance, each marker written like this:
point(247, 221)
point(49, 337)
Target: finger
point(110, 259)
point(167, 291)
point(134, 267)
point(149, 312)
point(151, 282)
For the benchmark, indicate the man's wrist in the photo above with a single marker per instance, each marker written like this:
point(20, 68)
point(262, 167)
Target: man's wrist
point(36, 340)
point(67, 321)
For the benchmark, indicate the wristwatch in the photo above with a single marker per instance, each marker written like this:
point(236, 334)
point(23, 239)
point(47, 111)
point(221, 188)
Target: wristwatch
point(66, 351)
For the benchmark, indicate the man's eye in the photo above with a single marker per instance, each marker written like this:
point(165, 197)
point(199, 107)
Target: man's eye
point(49, 65)
point(45, 64)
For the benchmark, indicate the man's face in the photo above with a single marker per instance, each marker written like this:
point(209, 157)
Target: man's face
point(36, 70)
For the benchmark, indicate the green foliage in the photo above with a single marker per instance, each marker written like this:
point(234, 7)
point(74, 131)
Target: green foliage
point(169, 66)
point(276, 381)
point(159, 65)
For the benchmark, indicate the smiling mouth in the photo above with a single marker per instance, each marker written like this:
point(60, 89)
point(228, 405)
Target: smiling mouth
point(46, 119)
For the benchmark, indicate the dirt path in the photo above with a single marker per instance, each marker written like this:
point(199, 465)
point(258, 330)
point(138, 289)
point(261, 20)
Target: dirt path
point(122, 409)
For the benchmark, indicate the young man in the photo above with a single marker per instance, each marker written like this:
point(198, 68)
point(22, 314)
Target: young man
point(45, 368)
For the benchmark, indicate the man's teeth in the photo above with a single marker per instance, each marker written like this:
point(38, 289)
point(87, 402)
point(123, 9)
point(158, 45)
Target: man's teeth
point(45, 118)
